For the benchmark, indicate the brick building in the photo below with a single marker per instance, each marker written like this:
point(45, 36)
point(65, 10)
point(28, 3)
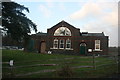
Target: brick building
point(64, 38)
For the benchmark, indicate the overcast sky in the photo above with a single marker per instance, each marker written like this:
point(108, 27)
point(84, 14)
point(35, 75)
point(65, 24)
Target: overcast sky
point(88, 15)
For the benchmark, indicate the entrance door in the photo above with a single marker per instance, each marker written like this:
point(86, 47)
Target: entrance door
point(82, 48)
point(43, 47)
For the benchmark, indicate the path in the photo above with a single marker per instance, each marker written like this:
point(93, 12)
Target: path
point(47, 70)
point(41, 71)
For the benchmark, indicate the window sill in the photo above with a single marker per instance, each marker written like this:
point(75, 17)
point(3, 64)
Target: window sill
point(62, 48)
point(69, 49)
point(56, 48)
point(97, 50)
point(53, 48)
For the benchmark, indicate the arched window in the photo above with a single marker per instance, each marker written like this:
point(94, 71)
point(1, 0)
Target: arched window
point(82, 44)
point(55, 44)
point(68, 44)
point(62, 31)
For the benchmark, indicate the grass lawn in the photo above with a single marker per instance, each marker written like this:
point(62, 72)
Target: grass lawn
point(27, 61)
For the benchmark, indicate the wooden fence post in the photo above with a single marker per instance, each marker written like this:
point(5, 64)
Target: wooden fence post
point(11, 68)
point(94, 66)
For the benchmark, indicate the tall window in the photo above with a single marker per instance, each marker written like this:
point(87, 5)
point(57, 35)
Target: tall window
point(61, 46)
point(97, 44)
point(55, 44)
point(68, 44)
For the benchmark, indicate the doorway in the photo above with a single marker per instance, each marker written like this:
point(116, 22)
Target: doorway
point(42, 47)
point(82, 48)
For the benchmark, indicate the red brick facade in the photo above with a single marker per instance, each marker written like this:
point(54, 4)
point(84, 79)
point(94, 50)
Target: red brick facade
point(73, 42)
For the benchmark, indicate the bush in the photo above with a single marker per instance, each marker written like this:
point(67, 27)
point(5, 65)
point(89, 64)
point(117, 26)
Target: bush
point(65, 71)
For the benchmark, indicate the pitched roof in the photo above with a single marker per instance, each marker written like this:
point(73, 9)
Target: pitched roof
point(62, 22)
point(92, 34)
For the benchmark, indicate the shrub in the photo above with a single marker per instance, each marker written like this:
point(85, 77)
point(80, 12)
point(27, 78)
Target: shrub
point(65, 71)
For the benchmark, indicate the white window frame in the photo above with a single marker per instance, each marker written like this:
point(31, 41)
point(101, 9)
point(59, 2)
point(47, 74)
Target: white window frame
point(55, 44)
point(97, 44)
point(60, 44)
point(57, 33)
point(68, 43)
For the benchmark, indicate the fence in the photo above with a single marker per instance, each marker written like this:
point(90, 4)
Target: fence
point(13, 65)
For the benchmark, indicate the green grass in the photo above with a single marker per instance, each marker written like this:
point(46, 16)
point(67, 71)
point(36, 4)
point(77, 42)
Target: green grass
point(24, 59)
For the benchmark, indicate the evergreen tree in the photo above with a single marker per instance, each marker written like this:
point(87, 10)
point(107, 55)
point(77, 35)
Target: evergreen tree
point(15, 23)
